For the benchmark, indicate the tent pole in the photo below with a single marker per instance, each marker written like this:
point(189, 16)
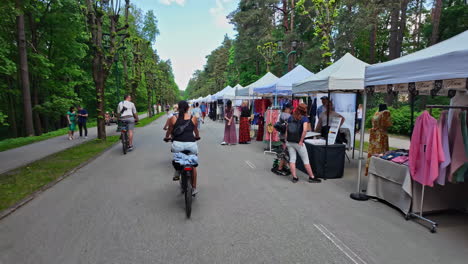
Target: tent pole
point(358, 195)
point(355, 117)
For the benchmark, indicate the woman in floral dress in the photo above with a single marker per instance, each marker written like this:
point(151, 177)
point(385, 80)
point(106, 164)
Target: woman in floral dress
point(378, 139)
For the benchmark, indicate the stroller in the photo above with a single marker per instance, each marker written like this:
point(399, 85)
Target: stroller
point(281, 154)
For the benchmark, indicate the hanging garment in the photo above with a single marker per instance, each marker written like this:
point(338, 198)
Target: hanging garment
point(244, 126)
point(378, 139)
point(261, 128)
point(426, 151)
point(442, 125)
point(457, 148)
point(261, 105)
point(462, 172)
point(272, 116)
point(230, 136)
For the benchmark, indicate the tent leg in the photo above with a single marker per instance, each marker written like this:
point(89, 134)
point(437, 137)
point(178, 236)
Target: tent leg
point(358, 195)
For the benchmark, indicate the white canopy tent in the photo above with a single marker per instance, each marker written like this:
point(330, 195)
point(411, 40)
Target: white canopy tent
point(283, 85)
point(345, 75)
point(445, 60)
point(220, 94)
point(265, 80)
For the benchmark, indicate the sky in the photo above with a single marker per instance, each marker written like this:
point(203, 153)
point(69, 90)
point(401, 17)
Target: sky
point(189, 31)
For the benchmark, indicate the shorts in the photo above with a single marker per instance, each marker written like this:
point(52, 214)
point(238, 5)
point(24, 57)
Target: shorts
point(130, 122)
point(203, 114)
point(178, 146)
point(292, 148)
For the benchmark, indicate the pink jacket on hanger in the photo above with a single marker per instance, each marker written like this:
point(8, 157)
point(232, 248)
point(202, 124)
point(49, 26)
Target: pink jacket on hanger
point(426, 151)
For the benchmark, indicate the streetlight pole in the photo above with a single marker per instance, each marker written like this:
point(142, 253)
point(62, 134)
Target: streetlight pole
point(286, 60)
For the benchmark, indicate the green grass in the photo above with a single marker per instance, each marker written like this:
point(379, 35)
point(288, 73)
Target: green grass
point(18, 184)
point(148, 120)
point(11, 143)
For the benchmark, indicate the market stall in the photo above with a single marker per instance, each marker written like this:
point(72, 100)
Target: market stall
point(435, 154)
point(346, 75)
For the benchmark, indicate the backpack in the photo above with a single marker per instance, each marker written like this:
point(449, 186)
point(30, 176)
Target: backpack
point(179, 130)
point(295, 128)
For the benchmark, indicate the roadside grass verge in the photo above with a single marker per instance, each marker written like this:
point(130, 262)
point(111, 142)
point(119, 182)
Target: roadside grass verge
point(20, 183)
point(148, 120)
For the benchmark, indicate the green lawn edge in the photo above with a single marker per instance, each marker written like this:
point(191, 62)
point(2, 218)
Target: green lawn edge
point(18, 184)
point(12, 143)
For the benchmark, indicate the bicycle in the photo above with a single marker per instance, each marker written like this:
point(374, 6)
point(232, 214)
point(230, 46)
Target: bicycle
point(123, 127)
point(186, 179)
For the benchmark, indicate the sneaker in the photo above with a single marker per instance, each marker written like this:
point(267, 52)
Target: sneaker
point(223, 143)
point(176, 176)
point(130, 148)
point(86, 137)
point(294, 180)
point(314, 180)
point(194, 191)
point(69, 138)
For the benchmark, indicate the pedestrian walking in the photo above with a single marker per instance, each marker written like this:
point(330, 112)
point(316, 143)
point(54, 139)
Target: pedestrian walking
point(244, 124)
point(82, 119)
point(71, 117)
point(230, 137)
point(295, 134)
point(196, 112)
point(359, 118)
point(203, 109)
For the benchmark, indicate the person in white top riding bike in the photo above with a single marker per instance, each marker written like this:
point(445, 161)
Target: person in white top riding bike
point(126, 111)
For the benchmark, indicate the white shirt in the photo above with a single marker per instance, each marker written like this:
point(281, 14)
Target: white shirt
point(359, 113)
point(131, 109)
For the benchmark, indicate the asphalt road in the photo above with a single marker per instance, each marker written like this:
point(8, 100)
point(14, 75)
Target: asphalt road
point(126, 209)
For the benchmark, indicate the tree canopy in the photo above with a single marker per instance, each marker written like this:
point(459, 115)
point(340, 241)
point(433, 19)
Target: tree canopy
point(60, 51)
point(372, 30)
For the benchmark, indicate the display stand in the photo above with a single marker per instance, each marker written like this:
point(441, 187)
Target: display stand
point(420, 216)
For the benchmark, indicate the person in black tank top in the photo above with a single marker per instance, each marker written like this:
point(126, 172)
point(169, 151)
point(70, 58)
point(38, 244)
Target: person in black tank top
point(184, 133)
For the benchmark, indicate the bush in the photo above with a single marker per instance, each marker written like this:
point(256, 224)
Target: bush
point(401, 119)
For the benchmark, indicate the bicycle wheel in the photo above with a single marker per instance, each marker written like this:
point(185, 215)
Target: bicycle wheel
point(124, 143)
point(188, 194)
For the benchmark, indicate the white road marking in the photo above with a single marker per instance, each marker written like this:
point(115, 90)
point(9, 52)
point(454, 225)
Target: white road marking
point(250, 164)
point(340, 245)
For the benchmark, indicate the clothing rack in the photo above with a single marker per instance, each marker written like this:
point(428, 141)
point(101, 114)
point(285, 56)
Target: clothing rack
point(270, 150)
point(420, 216)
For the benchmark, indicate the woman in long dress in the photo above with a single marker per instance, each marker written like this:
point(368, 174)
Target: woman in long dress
point(244, 124)
point(230, 136)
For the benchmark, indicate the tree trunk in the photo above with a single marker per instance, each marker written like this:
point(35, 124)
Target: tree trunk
point(293, 6)
point(100, 99)
point(372, 39)
point(12, 113)
point(285, 17)
point(24, 72)
point(436, 12)
point(393, 42)
point(402, 27)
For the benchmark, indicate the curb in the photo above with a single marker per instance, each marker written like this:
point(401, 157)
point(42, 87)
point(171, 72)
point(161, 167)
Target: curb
point(31, 197)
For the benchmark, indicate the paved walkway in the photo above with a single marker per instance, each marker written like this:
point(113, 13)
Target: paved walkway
point(17, 157)
point(126, 209)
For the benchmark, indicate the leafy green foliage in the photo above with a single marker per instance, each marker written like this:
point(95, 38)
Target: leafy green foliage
point(60, 65)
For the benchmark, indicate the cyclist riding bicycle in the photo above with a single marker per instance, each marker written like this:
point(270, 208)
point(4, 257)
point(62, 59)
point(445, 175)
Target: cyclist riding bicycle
point(184, 133)
point(126, 111)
